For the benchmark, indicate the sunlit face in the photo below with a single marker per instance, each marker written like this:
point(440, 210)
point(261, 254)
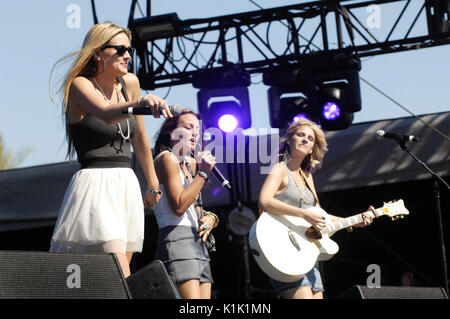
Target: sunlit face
point(302, 142)
point(187, 132)
point(115, 64)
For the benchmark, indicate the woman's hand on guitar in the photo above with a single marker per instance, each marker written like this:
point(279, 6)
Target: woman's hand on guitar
point(316, 217)
point(367, 218)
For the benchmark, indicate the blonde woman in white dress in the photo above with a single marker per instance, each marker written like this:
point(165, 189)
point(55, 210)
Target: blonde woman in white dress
point(103, 209)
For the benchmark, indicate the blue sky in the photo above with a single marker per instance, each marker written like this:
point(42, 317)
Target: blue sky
point(36, 35)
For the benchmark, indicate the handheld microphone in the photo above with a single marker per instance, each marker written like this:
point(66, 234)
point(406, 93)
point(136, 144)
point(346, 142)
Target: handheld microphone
point(223, 181)
point(399, 137)
point(145, 110)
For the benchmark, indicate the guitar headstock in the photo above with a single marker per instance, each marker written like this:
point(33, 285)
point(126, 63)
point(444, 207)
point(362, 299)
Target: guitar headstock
point(395, 209)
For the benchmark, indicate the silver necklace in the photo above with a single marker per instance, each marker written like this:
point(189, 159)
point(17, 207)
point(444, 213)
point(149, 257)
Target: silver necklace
point(126, 138)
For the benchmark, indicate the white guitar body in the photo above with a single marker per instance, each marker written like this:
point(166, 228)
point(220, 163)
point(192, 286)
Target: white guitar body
point(285, 251)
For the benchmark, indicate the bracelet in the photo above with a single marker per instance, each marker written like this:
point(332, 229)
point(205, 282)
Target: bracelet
point(203, 174)
point(157, 191)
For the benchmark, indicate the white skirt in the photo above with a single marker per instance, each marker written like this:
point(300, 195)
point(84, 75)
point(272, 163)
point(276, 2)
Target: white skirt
point(102, 212)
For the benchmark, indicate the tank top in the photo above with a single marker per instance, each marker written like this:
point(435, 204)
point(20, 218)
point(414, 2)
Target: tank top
point(165, 216)
point(295, 196)
point(100, 145)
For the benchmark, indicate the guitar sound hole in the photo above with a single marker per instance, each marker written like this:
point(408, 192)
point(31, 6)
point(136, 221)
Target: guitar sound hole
point(313, 233)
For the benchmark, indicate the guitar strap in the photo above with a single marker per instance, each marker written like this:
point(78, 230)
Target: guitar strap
point(309, 186)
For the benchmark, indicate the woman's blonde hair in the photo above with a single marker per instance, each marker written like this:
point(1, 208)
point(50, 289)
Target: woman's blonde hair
point(314, 160)
point(96, 38)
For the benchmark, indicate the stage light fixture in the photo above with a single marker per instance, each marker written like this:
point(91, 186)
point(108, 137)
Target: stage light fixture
point(156, 27)
point(328, 85)
point(332, 106)
point(286, 106)
point(224, 115)
point(223, 99)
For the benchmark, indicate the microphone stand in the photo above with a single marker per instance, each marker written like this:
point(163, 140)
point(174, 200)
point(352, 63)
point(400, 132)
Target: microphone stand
point(437, 179)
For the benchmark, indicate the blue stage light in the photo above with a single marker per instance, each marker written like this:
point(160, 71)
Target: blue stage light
point(331, 111)
point(299, 116)
point(227, 123)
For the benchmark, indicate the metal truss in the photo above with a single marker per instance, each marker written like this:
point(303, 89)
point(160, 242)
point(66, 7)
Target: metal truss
point(255, 41)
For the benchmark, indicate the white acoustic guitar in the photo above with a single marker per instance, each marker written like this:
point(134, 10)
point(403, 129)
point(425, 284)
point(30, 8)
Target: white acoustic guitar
point(288, 247)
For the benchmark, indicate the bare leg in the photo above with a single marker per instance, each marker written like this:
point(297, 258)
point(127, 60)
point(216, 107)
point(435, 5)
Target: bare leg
point(205, 290)
point(190, 289)
point(129, 256)
point(304, 292)
point(124, 264)
point(317, 295)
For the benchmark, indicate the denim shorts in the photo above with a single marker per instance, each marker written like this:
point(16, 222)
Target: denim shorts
point(311, 279)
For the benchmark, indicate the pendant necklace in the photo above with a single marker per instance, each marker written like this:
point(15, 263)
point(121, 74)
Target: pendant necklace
point(127, 137)
point(302, 198)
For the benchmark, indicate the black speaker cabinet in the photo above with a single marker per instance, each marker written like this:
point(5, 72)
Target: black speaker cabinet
point(45, 275)
point(152, 282)
point(363, 292)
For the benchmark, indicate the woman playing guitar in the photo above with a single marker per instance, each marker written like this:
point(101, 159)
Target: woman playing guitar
point(289, 190)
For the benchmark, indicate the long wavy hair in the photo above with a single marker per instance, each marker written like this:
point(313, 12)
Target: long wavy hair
point(312, 161)
point(96, 38)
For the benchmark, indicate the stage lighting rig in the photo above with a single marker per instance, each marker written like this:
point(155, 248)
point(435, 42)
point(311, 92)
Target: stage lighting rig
point(172, 52)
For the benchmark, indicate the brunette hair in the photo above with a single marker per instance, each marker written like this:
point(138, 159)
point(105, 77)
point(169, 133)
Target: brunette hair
point(163, 136)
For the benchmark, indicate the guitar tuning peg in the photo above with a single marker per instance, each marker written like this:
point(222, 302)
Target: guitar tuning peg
point(402, 216)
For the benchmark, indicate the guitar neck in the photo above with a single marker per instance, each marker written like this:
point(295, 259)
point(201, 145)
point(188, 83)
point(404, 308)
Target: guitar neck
point(349, 221)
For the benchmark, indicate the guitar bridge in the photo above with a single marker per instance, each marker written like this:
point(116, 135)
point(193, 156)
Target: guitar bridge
point(293, 240)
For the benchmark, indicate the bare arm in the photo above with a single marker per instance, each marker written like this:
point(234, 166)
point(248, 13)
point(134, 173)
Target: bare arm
point(141, 144)
point(86, 99)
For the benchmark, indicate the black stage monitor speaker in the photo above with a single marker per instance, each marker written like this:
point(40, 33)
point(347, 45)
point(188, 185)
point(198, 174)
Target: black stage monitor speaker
point(363, 292)
point(44, 275)
point(152, 282)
